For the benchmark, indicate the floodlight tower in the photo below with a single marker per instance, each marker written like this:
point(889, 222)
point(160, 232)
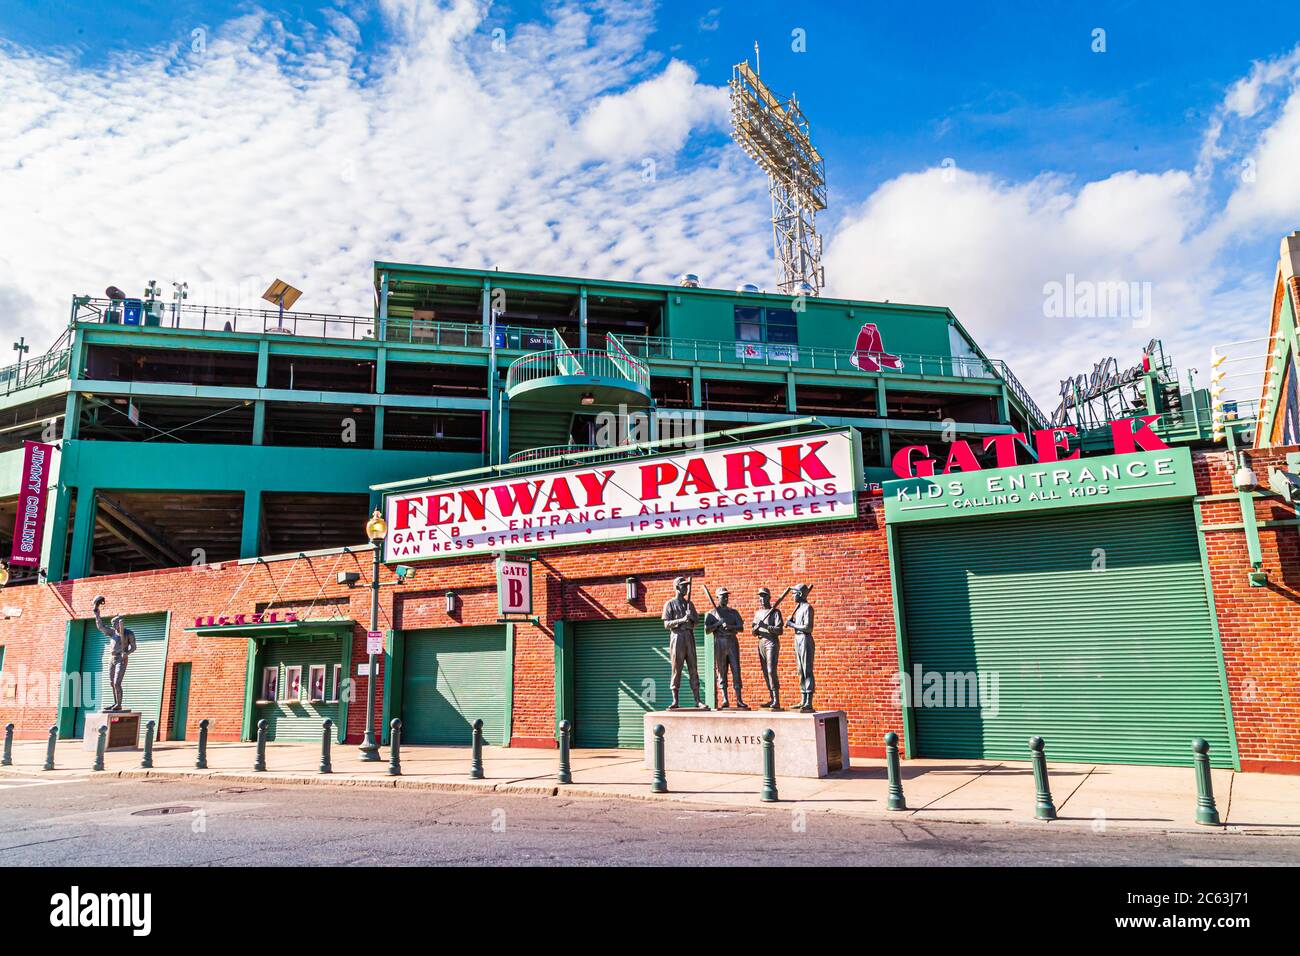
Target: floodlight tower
point(775, 134)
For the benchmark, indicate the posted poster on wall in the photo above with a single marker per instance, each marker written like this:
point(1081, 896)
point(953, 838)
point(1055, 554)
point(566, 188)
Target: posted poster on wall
point(29, 523)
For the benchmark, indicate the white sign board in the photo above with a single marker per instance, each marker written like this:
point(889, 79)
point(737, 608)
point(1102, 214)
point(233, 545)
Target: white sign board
point(374, 642)
point(515, 587)
point(778, 481)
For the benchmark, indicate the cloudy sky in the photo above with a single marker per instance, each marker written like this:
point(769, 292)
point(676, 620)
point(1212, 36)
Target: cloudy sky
point(976, 159)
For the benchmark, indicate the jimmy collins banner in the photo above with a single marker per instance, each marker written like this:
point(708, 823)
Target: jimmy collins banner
point(779, 481)
point(29, 524)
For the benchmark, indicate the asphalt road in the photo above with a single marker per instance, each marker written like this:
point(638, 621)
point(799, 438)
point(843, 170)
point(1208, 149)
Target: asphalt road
point(99, 823)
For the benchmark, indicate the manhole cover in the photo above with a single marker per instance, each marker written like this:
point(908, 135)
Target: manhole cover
point(162, 811)
point(241, 789)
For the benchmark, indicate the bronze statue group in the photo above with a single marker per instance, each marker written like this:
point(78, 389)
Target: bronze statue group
point(725, 624)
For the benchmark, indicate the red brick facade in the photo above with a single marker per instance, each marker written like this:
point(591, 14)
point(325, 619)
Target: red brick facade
point(856, 644)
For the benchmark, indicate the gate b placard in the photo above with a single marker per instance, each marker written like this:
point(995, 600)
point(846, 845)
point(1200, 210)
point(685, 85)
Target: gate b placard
point(514, 587)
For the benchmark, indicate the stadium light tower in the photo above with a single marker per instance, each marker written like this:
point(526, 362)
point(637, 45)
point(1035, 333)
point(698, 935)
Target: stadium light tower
point(775, 134)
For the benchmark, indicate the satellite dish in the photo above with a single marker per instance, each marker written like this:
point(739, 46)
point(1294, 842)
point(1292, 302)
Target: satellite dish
point(114, 293)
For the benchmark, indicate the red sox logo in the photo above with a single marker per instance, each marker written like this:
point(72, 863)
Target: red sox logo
point(869, 353)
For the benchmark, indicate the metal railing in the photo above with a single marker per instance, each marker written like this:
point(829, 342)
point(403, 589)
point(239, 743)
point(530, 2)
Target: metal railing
point(218, 318)
point(593, 362)
point(36, 371)
point(771, 355)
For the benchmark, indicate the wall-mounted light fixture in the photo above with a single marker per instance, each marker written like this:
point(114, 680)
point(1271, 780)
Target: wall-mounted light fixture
point(633, 589)
point(404, 572)
point(4, 575)
point(452, 600)
point(587, 399)
point(349, 578)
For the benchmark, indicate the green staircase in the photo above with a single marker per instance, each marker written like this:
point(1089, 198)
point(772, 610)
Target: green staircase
point(537, 428)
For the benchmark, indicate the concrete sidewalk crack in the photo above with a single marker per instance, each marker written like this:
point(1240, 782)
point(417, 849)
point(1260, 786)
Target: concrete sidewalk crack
point(1086, 776)
point(987, 770)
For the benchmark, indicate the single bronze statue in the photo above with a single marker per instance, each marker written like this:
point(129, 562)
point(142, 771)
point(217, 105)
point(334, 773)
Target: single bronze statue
point(724, 623)
point(801, 622)
point(680, 618)
point(123, 642)
point(767, 627)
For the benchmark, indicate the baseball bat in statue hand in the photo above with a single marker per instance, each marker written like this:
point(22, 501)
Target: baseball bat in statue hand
point(710, 594)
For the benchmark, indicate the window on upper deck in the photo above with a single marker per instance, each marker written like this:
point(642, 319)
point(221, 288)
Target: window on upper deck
point(776, 326)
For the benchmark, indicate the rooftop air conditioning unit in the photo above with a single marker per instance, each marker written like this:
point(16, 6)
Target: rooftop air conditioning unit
point(747, 287)
point(688, 280)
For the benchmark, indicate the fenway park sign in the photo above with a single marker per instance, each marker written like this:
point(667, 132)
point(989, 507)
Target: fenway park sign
point(778, 481)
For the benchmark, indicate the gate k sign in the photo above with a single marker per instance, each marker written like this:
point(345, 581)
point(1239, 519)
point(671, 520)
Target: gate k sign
point(514, 587)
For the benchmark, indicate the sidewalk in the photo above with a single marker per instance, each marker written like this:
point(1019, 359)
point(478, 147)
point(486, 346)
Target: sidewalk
point(960, 791)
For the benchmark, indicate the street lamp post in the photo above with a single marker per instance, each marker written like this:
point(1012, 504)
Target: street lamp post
point(376, 531)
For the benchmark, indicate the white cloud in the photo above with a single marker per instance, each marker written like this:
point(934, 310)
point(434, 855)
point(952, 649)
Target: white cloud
point(301, 155)
point(988, 249)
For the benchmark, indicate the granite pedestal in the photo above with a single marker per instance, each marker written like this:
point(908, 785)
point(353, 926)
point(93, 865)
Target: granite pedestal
point(123, 730)
point(731, 741)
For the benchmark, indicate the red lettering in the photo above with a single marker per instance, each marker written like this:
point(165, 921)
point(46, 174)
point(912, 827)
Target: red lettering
point(905, 467)
point(745, 470)
point(1050, 442)
point(1131, 434)
point(521, 495)
point(594, 486)
point(560, 496)
point(806, 467)
point(1004, 448)
point(407, 508)
point(654, 476)
point(473, 504)
point(960, 458)
point(697, 474)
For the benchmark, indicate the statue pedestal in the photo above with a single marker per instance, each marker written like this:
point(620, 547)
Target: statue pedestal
point(731, 741)
point(123, 730)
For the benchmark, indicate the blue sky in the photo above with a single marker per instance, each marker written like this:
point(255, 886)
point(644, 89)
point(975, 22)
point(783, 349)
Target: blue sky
point(1117, 165)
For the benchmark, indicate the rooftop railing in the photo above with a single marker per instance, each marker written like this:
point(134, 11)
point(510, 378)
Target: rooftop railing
point(36, 371)
point(564, 361)
point(773, 355)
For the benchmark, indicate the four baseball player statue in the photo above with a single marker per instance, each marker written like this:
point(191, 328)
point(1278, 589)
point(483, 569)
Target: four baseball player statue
point(725, 624)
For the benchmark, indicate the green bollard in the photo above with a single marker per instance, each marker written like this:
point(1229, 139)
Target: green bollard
point(660, 783)
point(395, 748)
point(476, 751)
point(100, 742)
point(769, 795)
point(326, 732)
point(1044, 809)
point(146, 762)
point(259, 762)
point(8, 759)
point(564, 775)
point(201, 763)
point(896, 799)
point(49, 749)
point(1207, 814)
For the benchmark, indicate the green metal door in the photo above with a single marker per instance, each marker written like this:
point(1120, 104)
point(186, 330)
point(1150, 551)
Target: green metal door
point(298, 716)
point(452, 677)
point(180, 701)
point(621, 671)
point(1094, 623)
point(143, 682)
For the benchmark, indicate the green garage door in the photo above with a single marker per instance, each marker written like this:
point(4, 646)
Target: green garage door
point(297, 716)
point(142, 685)
point(1095, 621)
point(621, 671)
point(452, 677)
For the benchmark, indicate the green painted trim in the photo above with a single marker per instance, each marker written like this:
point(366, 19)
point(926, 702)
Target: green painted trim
point(900, 637)
point(73, 640)
point(259, 422)
point(563, 673)
point(350, 681)
point(83, 531)
point(250, 536)
point(162, 684)
point(250, 689)
point(394, 661)
point(510, 683)
point(1248, 518)
point(1218, 639)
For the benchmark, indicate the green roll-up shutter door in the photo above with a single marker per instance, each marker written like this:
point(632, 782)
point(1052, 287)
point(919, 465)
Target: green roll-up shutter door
point(143, 682)
point(1096, 623)
point(299, 719)
point(452, 677)
point(621, 671)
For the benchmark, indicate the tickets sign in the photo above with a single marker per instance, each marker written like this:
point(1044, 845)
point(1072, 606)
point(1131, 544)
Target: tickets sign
point(779, 481)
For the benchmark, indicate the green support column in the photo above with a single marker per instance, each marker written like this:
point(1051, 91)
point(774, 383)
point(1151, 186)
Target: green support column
point(259, 423)
point(83, 534)
point(791, 405)
point(379, 428)
point(886, 453)
point(251, 533)
point(582, 319)
point(263, 362)
point(381, 371)
point(882, 406)
point(697, 390)
point(383, 307)
point(57, 554)
point(71, 416)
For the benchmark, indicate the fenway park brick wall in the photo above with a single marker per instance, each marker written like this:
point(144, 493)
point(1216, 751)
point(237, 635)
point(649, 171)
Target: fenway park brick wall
point(857, 650)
